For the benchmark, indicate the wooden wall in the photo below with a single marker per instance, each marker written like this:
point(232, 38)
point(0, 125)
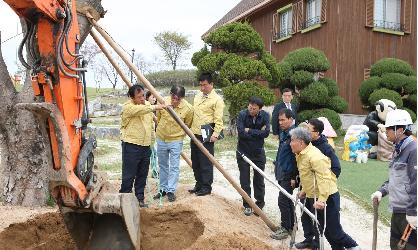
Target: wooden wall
point(349, 45)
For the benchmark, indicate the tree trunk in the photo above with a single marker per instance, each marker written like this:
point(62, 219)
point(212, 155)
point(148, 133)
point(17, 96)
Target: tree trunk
point(25, 151)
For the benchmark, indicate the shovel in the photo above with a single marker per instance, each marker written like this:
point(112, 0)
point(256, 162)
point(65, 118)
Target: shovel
point(375, 218)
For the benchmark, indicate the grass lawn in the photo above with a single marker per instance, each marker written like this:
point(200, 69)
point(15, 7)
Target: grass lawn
point(92, 93)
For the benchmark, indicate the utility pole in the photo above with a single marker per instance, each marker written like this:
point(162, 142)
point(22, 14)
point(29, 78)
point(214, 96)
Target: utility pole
point(133, 54)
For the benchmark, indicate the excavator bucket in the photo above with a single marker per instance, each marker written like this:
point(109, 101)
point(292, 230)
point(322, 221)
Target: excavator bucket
point(111, 223)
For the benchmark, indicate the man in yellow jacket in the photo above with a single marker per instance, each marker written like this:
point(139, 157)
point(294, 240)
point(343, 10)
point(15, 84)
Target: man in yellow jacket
point(208, 109)
point(170, 141)
point(137, 134)
point(319, 183)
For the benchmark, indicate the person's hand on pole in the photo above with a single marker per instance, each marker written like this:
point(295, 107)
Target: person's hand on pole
point(319, 205)
point(412, 220)
point(376, 197)
point(302, 195)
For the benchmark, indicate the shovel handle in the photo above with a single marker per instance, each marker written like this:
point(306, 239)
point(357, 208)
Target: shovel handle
point(375, 219)
point(405, 237)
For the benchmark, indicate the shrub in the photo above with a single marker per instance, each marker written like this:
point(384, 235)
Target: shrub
point(391, 65)
point(284, 72)
point(411, 102)
point(212, 62)
point(238, 68)
point(302, 78)
point(411, 113)
point(316, 93)
point(306, 114)
point(338, 104)
point(367, 87)
point(410, 86)
point(197, 56)
point(331, 86)
point(236, 37)
point(238, 94)
point(308, 59)
point(394, 81)
point(384, 93)
point(332, 116)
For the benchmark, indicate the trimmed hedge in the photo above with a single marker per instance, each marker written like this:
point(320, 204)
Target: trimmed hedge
point(411, 102)
point(338, 104)
point(367, 87)
point(284, 72)
point(308, 59)
point(302, 78)
point(384, 93)
point(331, 86)
point(331, 115)
point(236, 37)
point(411, 113)
point(316, 93)
point(410, 86)
point(394, 81)
point(238, 95)
point(212, 62)
point(238, 68)
point(391, 65)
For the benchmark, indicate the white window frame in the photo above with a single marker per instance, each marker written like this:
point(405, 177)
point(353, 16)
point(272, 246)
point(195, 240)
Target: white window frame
point(387, 14)
point(285, 28)
point(313, 12)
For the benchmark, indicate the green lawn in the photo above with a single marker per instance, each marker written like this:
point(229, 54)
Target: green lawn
point(92, 93)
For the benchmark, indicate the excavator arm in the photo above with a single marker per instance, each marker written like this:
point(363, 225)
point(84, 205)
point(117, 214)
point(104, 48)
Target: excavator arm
point(96, 216)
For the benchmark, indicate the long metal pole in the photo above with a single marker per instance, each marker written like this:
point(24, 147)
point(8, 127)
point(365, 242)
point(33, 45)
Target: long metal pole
point(181, 123)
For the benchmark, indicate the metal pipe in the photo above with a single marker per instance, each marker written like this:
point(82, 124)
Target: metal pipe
point(181, 123)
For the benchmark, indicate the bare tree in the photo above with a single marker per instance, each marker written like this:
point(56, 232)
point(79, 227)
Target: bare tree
point(25, 148)
point(173, 45)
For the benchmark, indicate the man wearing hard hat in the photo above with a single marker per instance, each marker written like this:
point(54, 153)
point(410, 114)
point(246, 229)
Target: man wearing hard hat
point(402, 184)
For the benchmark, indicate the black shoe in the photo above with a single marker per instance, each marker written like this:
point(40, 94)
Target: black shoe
point(159, 195)
point(304, 244)
point(171, 197)
point(142, 204)
point(194, 190)
point(203, 192)
point(248, 211)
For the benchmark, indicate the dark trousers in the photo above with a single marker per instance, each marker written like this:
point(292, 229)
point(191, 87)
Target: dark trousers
point(286, 206)
point(307, 224)
point(202, 167)
point(258, 179)
point(397, 227)
point(135, 166)
point(334, 232)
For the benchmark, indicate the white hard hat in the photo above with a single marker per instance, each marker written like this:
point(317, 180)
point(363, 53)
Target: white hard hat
point(398, 117)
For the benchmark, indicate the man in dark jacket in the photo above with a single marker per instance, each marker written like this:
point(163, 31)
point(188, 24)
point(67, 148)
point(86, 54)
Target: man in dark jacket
point(287, 96)
point(285, 172)
point(316, 127)
point(253, 125)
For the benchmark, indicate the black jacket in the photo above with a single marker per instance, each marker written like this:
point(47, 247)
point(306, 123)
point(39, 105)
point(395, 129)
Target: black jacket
point(285, 166)
point(275, 116)
point(328, 151)
point(252, 142)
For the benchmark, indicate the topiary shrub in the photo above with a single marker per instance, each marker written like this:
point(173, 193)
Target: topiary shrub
point(411, 102)
point(237, 68)
point(197, 56)
point(238, 95)
point(367, 87)
point(394, 81)
point(316, 93)
point(308, 59)
point(212, 62)
point(411, 113)
point(330, 114)
point(331, 86)
point(338, 104)
point(284, 72)
point(391, 65)
point(302, 78)
point(306, 114)
point(410, 86)
point(386, 94)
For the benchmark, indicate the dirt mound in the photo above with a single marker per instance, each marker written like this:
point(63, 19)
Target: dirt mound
point(46, 231)
point(172, 228)
point(231, 241)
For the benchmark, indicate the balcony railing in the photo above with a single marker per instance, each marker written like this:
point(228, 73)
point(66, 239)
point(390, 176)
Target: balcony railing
point(311, 21)
point(283, 33)
point(388, 25)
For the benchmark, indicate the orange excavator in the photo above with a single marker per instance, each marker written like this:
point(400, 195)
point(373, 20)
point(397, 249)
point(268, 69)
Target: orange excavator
point(96, 215)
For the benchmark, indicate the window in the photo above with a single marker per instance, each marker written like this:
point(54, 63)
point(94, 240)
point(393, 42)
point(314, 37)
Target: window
point(313, 13)
point(285, 23)
point(387, 14)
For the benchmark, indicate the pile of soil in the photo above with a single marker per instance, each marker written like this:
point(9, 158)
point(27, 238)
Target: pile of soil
point(209, 222)
point(46, 231)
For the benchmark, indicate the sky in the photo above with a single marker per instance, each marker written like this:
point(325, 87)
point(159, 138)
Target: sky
point(134, 23)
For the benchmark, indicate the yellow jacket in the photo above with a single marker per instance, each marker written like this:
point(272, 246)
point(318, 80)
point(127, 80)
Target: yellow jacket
point(207, 110)
point(137, 125)
point(167, 129)
point(313, 164)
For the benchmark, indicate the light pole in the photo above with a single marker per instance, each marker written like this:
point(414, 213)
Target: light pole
point(133, 54)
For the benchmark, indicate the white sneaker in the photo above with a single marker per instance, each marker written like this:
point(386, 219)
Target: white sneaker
point(354, 248)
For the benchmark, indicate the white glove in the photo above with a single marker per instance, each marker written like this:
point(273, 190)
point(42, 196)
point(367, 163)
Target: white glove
point(412, 220)
point(376, 196)
point(381, 127)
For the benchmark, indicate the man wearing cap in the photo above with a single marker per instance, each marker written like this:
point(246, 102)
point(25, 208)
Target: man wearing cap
point(402, 184)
